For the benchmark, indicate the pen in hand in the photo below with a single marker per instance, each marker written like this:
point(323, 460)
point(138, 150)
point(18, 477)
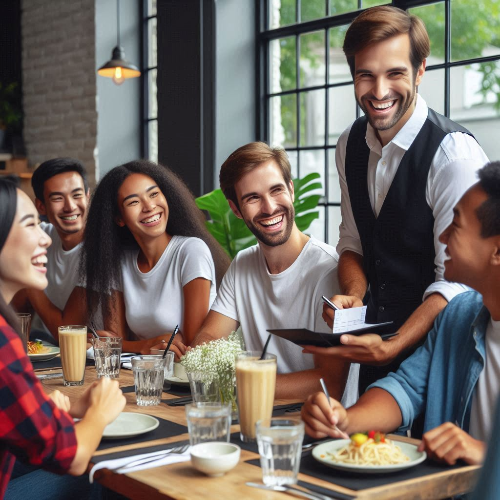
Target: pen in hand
point(327, 394)
point(330, 304)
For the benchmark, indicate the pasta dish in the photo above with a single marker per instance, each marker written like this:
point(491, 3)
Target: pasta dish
point(371, 449)
point(36, 347)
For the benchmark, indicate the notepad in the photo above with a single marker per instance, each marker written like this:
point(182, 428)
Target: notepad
point(353, 320)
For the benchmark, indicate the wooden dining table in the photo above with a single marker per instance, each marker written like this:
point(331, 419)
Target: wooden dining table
point(181, 481)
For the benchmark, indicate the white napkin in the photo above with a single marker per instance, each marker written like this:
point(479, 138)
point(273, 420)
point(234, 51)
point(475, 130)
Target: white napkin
point(174, 458)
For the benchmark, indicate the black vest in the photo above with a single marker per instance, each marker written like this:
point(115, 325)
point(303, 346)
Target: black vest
point(398, 245)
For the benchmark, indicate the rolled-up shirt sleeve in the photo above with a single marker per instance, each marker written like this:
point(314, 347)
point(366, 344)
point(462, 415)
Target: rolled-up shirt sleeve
point(348, 232)
point(456, 164)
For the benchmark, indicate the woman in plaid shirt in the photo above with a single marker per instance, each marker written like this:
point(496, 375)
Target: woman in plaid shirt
point(35, 428)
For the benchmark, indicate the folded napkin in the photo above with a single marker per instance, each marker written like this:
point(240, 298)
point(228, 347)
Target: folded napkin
point(174, 458)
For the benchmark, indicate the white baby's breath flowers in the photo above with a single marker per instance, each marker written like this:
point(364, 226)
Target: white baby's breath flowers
point(216, 360)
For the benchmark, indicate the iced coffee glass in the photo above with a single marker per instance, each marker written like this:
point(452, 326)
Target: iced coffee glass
point(255, 385)
point(73, 345)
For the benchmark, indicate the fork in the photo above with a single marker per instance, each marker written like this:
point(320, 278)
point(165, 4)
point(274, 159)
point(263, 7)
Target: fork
point(179, 450)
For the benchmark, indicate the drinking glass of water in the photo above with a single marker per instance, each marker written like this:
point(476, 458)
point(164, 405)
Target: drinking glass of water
point(280, 446)
point(208, 422)
point(107, 352)
point(148, 377)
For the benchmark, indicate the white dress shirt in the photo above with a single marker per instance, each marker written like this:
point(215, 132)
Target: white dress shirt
point(452, 172)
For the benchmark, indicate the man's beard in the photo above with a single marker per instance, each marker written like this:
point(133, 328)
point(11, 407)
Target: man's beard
point(281, 237)
point(401, 105)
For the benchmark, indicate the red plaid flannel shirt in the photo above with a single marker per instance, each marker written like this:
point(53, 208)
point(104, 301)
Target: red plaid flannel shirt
point(32, 428)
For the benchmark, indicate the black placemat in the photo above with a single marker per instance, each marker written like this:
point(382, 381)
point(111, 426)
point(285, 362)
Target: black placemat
point(55, 363)
point(310, 466)
point(166, 429)
point(173, 392)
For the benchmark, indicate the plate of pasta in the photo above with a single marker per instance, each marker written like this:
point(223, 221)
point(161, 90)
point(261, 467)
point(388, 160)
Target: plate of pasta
point(368, 453)
point(39, 352)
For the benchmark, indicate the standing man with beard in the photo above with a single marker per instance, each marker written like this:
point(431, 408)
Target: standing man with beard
point(62, 197)
point(277, 283)
point(402, 167)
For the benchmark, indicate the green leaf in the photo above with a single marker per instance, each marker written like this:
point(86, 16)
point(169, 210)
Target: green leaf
point(304, 221)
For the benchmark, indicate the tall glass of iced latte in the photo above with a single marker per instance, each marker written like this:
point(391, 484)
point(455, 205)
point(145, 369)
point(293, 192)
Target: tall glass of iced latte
point(73, 345)
point(255, 385)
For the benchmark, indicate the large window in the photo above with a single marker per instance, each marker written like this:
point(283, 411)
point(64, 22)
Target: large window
point(149, 72)
point(307, 91)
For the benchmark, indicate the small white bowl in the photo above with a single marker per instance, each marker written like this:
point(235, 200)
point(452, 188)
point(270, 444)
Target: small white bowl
point(215, 458)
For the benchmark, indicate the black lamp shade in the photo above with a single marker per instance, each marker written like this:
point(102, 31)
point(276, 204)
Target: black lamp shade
point(118, 60)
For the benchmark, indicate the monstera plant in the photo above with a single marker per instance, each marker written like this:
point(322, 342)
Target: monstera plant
point(233, 234)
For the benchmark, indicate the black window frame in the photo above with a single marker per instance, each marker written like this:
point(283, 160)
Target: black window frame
point(145, 71)
point(264, 36)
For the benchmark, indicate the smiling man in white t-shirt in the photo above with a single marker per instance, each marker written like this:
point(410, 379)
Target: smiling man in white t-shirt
point(277, 283)
point(62, 197)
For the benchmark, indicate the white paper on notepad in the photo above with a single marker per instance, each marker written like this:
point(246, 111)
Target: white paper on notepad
point(350, 320)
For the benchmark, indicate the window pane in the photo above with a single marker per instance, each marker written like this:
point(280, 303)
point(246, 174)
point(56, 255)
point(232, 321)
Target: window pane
point(151, 7)
point(317, 227)
point(281, 13)
point(372, 3)
point(313, 161)
point(152, 43)
point(333, 179)
point(475, 30)
point(282, 59)
point(341, 6)
point(334, 220)
point(283, 120)
point(341, 111)
point(474, 95)
point(312, 9)
point(312, 118)
point(339, 69)
point(152, 94)
point(312, 59)
point(153, 140)
point(433, 17)
point(293, 159)
point(432, 89)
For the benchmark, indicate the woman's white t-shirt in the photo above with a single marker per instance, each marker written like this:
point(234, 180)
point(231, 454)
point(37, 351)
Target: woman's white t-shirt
point(154, 301)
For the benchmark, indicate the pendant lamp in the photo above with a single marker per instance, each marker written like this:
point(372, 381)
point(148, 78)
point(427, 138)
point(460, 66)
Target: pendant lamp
point(118, 68)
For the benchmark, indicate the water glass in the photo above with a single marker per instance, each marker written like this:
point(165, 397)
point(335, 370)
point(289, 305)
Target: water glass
point(169, 365)
point(149, 372)
point(204, 389)
point(24, 332)
point(107, 353)
point(73, 346)
point(208, 422)
point(280, 446)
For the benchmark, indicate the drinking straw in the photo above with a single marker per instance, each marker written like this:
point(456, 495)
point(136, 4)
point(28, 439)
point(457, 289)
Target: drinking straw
point(94, 333)
point(176, 329)
point(265, 347)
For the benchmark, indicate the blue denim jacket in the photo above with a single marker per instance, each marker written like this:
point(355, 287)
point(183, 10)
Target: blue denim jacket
point(440, 377)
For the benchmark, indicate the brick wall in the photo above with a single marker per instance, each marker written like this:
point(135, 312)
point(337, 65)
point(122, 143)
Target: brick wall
point(59, 80)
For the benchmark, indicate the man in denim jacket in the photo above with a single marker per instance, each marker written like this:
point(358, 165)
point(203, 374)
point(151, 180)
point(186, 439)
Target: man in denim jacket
point(455, 376)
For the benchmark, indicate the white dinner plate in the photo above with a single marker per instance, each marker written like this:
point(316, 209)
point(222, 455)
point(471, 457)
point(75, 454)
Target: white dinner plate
point(177, 381)
point(320, 454)
point(45, 356)
point(129, 424)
